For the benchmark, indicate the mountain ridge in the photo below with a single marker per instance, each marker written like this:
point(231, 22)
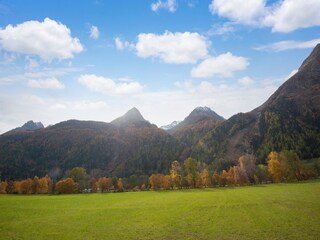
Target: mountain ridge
point(288, 120)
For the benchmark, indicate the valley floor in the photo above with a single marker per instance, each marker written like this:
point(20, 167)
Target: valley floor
point(275, 211)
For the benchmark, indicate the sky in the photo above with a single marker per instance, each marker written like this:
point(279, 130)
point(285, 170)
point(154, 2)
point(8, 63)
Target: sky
point(95, 60)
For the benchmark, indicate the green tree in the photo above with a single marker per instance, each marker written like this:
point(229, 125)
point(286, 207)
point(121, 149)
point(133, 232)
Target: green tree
point(80, 176)
point(291, 165)
point(190, 167)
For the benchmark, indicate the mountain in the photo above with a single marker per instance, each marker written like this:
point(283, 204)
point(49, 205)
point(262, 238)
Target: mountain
point(288, 120)
point(29, 126)
point(132, 118)
point(129, 145)
point(170, 126)
point(194, 127)
point(197, 115)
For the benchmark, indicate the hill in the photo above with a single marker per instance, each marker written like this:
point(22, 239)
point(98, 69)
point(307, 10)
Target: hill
point(102, 148)
point(289, 120)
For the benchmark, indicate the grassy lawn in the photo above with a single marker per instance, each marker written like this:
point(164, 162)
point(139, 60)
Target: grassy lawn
point(278, 211)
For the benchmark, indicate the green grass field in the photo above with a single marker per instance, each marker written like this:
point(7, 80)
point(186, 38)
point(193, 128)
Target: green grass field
point(278, 211)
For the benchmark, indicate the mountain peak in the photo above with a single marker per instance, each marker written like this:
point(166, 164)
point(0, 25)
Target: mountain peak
point(311, 62)
point(131, 118)
point(29, 126)
point(200, 113)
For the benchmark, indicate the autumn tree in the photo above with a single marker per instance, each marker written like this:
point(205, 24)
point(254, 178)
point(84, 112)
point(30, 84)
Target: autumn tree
point(167, 183)
point(16, 187)
point(45, 185)
point(247, 165)
point(120, 185)
point(26, 186)
point(190, 167)
point(223, 178)
point(35, 185)
point(240, 176)
point(104, 184)
point(156, 181)
point(274, 167)
point(175, 174)
point(3, 187)
point(10, 187)
point(67, 185)
point(205, 178)
point(215, 178)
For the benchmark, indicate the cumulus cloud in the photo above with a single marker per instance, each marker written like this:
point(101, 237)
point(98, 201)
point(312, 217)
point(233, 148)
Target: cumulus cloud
point(50, 83)
point(287, 45)
point(246, 81)
point(48, 39)
point(94, 32)
point(108, 86)
point(282, 16)
point(177, 48)
point(120, 45)
point(169, 5)
point(246, 12)
point(290, 15)
point(223, 65)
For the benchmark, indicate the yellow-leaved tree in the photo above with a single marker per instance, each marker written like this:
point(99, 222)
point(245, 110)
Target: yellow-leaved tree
point(274, 166)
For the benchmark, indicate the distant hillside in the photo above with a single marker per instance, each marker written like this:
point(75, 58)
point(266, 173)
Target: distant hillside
point(194, 127)
point(29, 126)
point(289, 119)
point(99, 147)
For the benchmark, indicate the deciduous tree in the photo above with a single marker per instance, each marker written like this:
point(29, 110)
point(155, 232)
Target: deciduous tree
point(205, 178)
point(274, 167)
point(3, 187)
point(175, 174)
point(120, 185)
point(67, 185)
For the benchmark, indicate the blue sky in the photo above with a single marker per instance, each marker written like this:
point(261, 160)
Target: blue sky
point(94, 60)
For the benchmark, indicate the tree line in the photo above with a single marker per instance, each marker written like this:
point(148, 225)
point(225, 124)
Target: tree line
point(284, 166)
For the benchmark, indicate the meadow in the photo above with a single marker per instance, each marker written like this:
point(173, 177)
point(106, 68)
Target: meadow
point(274, 211)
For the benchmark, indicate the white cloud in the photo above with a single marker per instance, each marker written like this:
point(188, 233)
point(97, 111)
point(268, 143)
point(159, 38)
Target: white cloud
point(223, 65)
point(88, 105)
point(240, 11)
point(48, 39)
point(169, 5)
point(94, 32)
point(223, 29)
point(50, 83)
point(108, 86)
point(177, 48)
point(289, 15)
point(246, 81)
point(282, 16)
point(120, 45)
point(287, 45)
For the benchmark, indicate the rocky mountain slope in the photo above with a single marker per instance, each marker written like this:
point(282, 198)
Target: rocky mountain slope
point(289, 119)
point(126, 146)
